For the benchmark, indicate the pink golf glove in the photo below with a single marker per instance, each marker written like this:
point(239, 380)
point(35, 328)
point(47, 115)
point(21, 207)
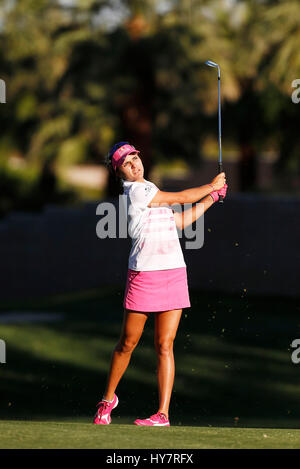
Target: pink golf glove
point(215, 196)
point(222, 192)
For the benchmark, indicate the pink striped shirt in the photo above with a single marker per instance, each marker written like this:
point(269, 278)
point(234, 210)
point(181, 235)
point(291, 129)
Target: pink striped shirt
point(155, 242)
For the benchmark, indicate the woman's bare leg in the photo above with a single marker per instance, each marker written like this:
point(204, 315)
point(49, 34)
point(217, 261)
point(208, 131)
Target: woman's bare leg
point(132, 329)
point(166, 325)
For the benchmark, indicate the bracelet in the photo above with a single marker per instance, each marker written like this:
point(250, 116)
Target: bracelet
point(212, 187)
point(212, 198)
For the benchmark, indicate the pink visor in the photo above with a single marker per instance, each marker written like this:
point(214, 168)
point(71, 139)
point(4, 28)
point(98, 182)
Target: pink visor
point(120, 155)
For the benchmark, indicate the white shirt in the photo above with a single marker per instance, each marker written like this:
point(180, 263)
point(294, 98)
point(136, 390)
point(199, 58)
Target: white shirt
point(155, 242)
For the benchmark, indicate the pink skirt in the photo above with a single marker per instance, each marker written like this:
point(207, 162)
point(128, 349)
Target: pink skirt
point(156, 290)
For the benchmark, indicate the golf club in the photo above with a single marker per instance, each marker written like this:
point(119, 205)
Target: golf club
point(210, 63)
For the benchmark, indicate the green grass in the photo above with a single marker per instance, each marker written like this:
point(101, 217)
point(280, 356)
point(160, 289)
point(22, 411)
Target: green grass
point(234, 374)
point(69, 435)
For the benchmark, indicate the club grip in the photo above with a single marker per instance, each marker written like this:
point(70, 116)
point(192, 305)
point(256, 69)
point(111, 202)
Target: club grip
point(221, 200)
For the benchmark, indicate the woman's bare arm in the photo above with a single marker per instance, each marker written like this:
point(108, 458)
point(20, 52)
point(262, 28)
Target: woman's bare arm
point(188, 195)
point(187, 217)
point(183, 197)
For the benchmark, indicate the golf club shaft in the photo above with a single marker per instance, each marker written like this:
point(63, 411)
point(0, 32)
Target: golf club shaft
point(220, 147)
point(210, 63)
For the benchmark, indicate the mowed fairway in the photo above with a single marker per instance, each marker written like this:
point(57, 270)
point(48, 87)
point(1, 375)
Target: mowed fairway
point(43, 435)
point(235, 384)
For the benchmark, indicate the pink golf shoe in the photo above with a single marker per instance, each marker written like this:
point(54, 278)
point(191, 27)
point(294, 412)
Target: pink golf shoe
point(156, 420)
point(102, 416)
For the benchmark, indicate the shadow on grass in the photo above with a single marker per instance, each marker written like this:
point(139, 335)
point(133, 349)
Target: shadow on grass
point(233, 362)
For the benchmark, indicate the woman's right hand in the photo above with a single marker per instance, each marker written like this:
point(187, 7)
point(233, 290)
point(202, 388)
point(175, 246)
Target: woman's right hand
point(218, 182)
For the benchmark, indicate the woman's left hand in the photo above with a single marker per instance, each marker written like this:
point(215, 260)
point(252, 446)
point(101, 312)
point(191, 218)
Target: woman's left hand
point(223, 191)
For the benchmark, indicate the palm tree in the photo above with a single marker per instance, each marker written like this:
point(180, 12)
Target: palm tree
point(280, 69)
point(234, 38)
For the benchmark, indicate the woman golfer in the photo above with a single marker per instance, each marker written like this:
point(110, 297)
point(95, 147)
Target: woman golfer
point(156, 279)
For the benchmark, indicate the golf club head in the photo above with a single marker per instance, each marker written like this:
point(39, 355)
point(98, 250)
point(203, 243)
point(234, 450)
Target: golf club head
point(210, 63)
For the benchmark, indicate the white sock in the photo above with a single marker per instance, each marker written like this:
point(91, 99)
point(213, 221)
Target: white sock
point(105, 400)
